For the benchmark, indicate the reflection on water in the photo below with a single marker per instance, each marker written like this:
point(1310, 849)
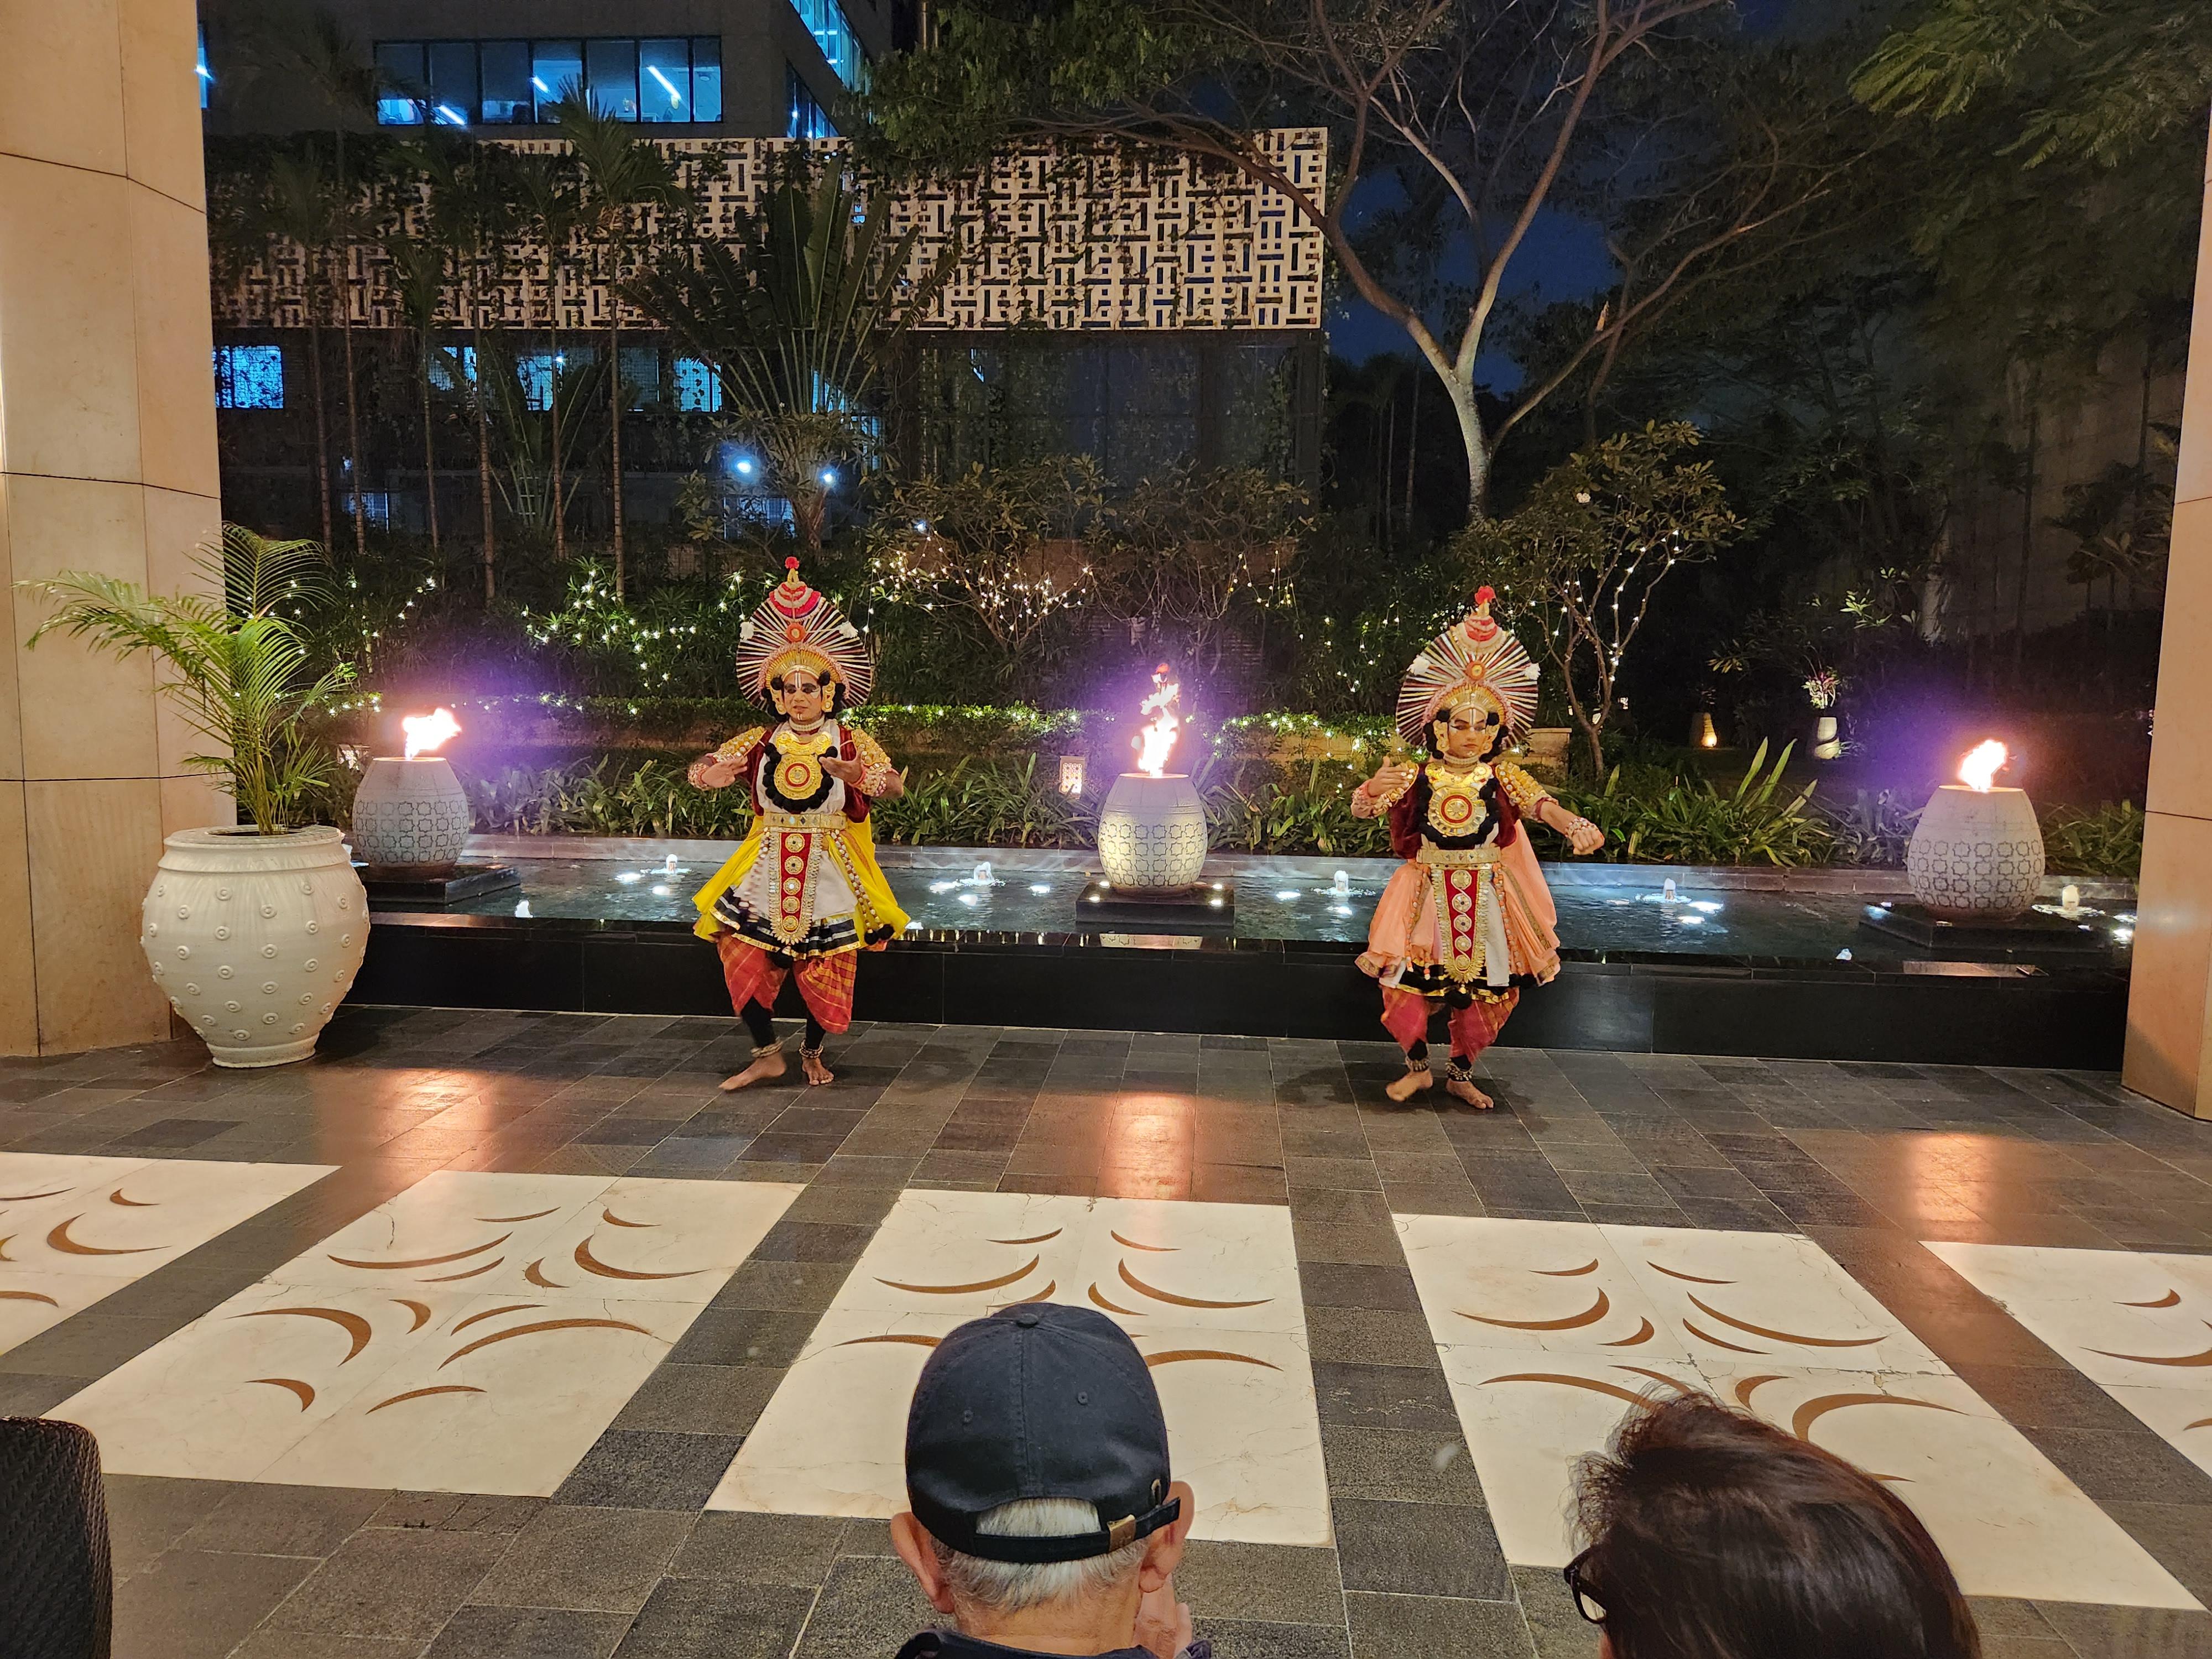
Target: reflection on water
point(1275, 898)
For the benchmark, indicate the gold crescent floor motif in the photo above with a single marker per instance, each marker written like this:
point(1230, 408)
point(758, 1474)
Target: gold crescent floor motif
point(542, 1325)
point(980, 1285)
point(2172, 1298)
point(28, 1296)
point(116, 1197)
point(1712, 1312)
point(1176, 1356)
point(355, 1328)
point(1170, 1297)
point(421, 1394)
point(422, 1261)
point(59, 1239)
point(1098, 1296)
point(494, 1313)
point(420, 1309)
point(1590, 1266)
point(591, 1264)
point(304, 1392)
point(1150, 1249)
point(2202, 1358)
point(1042, 1238)
point(1589, 1316)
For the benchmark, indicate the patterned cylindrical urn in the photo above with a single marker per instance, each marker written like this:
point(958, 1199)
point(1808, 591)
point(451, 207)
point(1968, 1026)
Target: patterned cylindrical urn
point(411, 815)
point(1151, 834)
point(255, 939)
point(1977, 854)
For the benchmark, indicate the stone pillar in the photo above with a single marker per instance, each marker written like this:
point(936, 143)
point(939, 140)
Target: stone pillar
point(2169, 1009)
point(107, 462)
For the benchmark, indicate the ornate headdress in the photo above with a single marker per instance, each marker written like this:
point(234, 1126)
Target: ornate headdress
point(1474, 657)
point(796, 627)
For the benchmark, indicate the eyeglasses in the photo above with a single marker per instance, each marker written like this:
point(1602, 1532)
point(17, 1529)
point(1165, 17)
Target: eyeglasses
point(1587, 1602)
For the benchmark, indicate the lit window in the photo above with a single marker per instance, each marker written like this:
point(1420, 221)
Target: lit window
point(664, 80)
point(825, 21)
point(452, 83)
point(706, 77)
point(249, 377)
point(556, 75)
point(698, 389)
point(611, 76)
point(442, 362)
point(641, 372)
point(509, 99)
point(463, 83)
point(403, 83)
point(808, 119)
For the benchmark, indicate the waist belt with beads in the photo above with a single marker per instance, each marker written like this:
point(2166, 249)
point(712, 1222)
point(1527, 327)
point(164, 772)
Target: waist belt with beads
point(1458, 858)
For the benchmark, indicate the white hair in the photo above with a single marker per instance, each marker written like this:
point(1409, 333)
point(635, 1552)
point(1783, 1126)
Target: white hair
point(1005, 1587)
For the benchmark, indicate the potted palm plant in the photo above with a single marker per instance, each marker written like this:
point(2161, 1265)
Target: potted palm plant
point(254, 930)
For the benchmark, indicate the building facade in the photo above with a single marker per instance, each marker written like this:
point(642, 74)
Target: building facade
point(766, 68)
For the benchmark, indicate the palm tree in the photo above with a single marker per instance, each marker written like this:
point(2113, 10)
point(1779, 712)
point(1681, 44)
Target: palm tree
point(418, 272)
point(552, 205)
point(332, 63)
point(300, 206)
point(798, 324)
point(472, 211)
point(623, 174)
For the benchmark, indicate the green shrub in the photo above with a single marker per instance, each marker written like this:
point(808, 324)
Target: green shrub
point(1693, 822)
point(2105, 840)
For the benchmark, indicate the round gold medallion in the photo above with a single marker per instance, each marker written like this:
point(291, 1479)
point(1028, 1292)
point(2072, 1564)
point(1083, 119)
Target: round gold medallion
point(797, 776)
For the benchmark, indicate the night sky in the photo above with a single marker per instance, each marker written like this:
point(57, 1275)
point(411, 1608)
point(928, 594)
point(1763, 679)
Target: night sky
point(1562, 258)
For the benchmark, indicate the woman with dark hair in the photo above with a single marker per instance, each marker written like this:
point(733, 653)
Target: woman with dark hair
point(1714, 1535)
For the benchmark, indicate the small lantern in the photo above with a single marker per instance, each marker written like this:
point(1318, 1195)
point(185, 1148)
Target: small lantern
point(1702, 734)
point(1071, 775)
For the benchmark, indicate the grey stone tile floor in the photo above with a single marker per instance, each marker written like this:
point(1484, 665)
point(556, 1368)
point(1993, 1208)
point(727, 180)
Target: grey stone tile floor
point(622, 1561)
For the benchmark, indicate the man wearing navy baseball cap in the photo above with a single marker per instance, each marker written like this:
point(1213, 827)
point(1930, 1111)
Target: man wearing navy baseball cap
point(1044, 1520)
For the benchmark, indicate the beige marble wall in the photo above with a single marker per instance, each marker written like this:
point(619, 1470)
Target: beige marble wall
point(107, 462)
point(2169, 1011)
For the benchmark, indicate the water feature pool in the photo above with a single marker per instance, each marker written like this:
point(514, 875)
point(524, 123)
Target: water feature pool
point(1606, 912)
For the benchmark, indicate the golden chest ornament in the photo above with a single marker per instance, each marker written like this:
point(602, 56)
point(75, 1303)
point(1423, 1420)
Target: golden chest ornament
point(1455, 804)
point(798, 763)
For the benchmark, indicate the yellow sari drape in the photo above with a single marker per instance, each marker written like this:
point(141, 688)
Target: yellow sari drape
point(852, 843)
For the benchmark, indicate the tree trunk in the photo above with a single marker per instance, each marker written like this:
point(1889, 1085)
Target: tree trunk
point(614, 443)
point(429, 454)
point(2027, 547)
point(322, 424)
point(553, 404)
point(483, 472)
point(1477, 442)
point(355, 471)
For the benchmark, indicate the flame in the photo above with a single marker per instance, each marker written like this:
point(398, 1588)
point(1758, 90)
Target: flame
point(1981, 764)
point(1159, 738)
point(426, 732)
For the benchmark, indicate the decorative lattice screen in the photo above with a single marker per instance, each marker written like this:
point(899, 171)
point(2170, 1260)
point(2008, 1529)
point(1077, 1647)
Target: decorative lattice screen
point(1052, 238)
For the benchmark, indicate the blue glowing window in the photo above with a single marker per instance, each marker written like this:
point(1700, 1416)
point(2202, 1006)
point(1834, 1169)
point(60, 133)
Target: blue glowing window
point(249, 377)
point(808, 120)
point(825, 21)
point(698, 389)
point(442, 364)
point(206, 75)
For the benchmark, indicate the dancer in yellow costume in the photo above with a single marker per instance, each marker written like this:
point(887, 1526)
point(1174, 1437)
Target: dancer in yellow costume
point(803, 894)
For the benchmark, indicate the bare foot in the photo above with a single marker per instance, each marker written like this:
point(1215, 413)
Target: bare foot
point(1460, 1090)
point(763, 1066)
point(1406, 1087)
point(817, 1073)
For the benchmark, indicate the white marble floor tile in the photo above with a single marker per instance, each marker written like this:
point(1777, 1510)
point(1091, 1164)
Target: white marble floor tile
point(452, 1227)
point(1775, 1324)
point(2138, 1325)
point(74, 1229)
point(1778, 1296)
point(337, 1375)
point(1548, 1286)
point(1529, 1417)
point(1221, 1320)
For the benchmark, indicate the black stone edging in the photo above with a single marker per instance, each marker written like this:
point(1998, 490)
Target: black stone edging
point(2068, 1018)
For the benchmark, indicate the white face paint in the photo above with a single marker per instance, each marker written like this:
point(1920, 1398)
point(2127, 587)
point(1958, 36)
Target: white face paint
point(800, 694)
point(1468, 733)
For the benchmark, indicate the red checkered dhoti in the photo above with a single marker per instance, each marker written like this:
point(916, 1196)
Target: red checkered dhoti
point(825, 983)
point(1473, 1028)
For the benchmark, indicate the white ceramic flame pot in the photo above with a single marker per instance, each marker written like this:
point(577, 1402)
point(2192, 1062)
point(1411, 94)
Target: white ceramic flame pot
point(1152, 833)
point(409, 814)
point(256, 939)
point(1976, 856)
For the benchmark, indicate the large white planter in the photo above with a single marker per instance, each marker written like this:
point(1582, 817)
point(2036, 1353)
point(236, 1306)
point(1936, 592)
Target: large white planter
point(409, 814)
point(1976, 856)
point(256, 939)
point(1151, 834)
